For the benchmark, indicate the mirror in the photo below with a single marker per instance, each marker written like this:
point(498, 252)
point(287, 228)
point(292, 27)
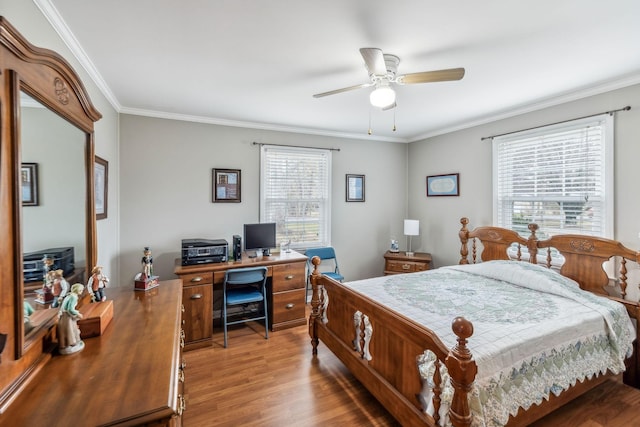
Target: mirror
point(54, 216)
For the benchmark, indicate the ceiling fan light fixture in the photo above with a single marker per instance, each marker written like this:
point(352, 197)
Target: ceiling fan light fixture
point(382, 96)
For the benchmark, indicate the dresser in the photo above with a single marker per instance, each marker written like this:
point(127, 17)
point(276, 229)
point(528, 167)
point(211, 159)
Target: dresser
point(400, 262)
point(131, 375)
point(286, 280)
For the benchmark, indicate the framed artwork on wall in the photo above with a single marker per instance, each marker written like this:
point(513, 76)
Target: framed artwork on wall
point(101, 185)
point(443, 185)
point(355, 188)
point(226, 185)
point(29, 184)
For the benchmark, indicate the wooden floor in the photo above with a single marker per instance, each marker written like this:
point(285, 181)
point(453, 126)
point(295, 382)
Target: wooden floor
point(277, 382)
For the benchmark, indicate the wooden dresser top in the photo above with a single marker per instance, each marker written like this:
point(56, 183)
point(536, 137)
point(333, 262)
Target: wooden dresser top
point(127, 376)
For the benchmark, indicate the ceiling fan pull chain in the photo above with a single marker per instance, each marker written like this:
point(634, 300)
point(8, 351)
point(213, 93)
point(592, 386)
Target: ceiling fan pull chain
point(394, 120)
point(370, 131)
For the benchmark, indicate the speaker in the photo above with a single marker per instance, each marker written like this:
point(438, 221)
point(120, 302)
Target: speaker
point(237, 248)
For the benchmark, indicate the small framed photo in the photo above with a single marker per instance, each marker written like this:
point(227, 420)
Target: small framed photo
point(101, 185)
point(443, 185)
point(355, 188)
point(29, 184)
point(226, 185)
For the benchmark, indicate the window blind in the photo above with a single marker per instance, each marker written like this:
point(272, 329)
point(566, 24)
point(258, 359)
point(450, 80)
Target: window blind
point(295, 194)
point(560, 177)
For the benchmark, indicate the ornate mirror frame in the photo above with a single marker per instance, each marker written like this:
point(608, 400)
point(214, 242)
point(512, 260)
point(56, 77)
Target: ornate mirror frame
point(49, 79)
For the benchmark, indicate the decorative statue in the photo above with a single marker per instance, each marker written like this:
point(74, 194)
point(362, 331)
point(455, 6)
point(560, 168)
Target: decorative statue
point(68, 331)
point(59, 287)
point(147, 264)
point(48, 265)
point(27, 310)
point(97, 284)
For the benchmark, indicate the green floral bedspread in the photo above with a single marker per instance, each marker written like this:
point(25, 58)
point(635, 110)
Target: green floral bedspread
point(535, 331)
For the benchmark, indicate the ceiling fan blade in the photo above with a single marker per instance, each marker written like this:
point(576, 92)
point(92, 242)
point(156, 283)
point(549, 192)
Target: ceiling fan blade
point(431, 76)
point(344, 89)
point(374, 60)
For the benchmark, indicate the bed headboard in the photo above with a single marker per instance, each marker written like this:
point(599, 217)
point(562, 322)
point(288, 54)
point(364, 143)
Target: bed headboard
point(584, 256)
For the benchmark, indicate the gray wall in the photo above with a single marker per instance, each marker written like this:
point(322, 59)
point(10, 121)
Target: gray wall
point(464, 152)
point(166, 191)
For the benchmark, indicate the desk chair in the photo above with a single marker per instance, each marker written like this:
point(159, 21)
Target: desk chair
point(328, 265)
point(244, 286)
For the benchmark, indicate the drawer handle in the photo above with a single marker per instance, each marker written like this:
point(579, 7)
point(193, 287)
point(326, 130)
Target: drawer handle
point(196, 296)
point(181, 376)
point(183, 365)
point(289, 306)
point(196, 279)
point(289, 277)
point(182, 405)
point(406, 266)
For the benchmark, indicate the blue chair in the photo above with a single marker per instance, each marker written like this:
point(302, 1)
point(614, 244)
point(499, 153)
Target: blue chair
point(328, 265)
point(245, 288)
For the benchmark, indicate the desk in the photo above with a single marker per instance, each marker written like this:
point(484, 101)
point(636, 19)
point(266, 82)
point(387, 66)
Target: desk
point(285, 286)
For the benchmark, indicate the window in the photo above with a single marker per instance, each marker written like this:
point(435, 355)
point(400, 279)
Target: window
point(295, 193)
point(558, 176)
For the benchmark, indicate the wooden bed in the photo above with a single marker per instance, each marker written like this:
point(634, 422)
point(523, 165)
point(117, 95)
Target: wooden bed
point(396, 341)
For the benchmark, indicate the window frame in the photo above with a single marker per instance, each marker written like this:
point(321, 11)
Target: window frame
point(284, 228)
point(606, 219)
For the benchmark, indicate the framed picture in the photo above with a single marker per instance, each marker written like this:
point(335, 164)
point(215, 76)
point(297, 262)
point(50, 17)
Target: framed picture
point(101, 184)
point(226, 185)
point(29, 184)
point(355, 188)
point(443, 185)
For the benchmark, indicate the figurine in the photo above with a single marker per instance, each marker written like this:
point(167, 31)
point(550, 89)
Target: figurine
point(97, 284)
point(59, 287)
point(27, 311)
point(147, 264)
point(68, 331)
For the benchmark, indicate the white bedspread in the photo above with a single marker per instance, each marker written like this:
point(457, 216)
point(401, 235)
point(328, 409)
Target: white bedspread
point(535, 331)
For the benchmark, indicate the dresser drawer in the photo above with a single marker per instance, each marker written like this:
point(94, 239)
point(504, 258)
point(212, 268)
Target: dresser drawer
point(204, 278)
point(406, 266)
point(288, 277)
point(288, 306)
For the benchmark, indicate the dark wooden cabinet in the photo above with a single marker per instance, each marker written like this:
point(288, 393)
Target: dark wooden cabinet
point(197, 297)
point(400, 262)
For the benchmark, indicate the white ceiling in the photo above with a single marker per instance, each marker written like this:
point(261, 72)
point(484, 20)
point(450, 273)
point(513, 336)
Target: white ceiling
point(257, 63)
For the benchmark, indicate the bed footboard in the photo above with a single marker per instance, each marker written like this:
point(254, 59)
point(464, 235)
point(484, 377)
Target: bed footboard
point(382, 349)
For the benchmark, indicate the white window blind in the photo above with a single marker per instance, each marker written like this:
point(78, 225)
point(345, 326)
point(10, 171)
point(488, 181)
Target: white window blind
point(295, 186)
point(559, 176)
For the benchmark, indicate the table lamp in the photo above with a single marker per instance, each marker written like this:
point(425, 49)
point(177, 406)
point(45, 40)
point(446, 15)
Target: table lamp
point(411, 228)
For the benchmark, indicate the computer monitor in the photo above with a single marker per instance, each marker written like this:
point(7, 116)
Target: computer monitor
point(260, 237)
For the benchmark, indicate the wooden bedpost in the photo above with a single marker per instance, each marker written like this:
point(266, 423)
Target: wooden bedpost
point(532, 243)
point(464, 240)
point(315, 304)
point(462, 370)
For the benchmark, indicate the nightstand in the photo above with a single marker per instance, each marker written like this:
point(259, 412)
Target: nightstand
point(400, 262)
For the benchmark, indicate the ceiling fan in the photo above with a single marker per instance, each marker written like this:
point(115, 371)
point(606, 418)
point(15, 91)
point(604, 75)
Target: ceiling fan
point(383, 72)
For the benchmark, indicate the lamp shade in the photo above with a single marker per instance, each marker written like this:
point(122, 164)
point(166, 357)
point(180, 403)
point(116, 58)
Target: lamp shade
point(411, 227)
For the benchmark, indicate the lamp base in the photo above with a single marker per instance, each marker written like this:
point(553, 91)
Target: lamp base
point(409, 253)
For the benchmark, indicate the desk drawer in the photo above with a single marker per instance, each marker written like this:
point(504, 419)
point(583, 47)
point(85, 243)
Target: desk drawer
point(204, 278)
point(288, 306)
point(288, 277)
point(406, 266)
